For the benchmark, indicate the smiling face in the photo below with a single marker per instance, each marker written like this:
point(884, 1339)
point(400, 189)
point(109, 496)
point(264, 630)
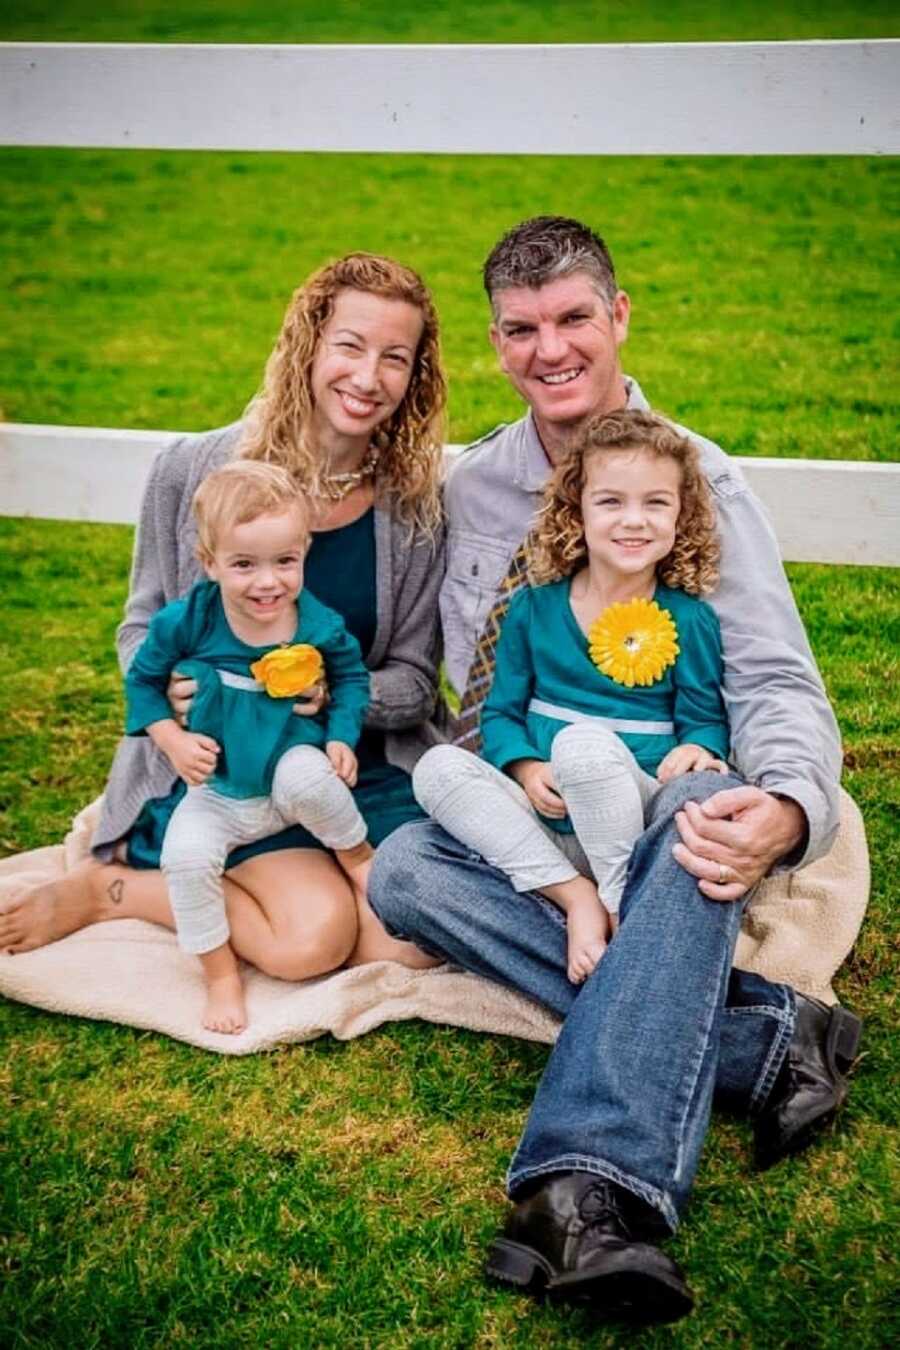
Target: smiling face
point(259, 568)
point(362, 368)
point(630, 505)
point(559, 346)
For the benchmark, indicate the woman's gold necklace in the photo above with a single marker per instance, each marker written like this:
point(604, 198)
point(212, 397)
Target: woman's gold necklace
point(337, 486)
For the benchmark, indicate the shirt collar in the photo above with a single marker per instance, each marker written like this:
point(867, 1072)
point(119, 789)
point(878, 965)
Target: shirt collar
point(533, 466)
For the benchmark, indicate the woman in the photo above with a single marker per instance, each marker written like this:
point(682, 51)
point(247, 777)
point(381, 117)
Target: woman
point(352, 405)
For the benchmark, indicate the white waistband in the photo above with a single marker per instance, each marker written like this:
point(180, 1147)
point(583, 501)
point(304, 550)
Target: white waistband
point(537, 705)
point(241, 682)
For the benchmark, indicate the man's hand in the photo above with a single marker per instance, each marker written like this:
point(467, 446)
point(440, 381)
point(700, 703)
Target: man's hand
point(735, 837)
point(192, 755)
point(180, 692)
point(343, 761)
point(688, 758)
point(312, 700)
point(536, 777)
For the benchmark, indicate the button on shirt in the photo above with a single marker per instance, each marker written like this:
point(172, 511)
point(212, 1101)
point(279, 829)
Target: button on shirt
point(784, 735)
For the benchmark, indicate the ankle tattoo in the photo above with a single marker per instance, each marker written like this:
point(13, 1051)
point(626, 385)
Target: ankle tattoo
point(115, 890)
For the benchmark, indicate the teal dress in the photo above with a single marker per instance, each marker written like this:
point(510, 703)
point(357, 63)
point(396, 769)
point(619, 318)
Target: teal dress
point(545, 677)
point(340, 571)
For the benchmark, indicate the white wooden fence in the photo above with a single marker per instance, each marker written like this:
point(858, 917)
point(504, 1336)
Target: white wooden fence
point(655, 98)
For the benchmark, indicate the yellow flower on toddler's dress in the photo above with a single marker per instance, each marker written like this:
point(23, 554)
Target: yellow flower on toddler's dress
point(633, 643)
point(289, 671)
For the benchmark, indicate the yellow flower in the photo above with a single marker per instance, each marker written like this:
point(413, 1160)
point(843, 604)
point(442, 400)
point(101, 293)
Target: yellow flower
point(288, 671)
point(633, 643)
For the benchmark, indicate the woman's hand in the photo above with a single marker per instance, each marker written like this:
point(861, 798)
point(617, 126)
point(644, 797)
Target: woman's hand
point(313, 700)
point(536, 777)
point(688, 758)
point(180, 692)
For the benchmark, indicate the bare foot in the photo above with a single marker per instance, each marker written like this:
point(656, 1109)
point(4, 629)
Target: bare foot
point(587, 925)
point(225, 1009)
point(374, 943)
point(51, 911)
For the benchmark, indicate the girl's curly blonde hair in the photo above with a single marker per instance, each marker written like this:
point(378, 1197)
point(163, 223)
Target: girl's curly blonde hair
point(557, 547)
point(279, 419)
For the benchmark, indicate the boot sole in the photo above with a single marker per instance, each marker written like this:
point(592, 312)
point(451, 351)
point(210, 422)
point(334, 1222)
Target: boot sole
point(640, 1284)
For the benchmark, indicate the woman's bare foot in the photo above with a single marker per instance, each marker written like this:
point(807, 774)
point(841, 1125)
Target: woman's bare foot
point(54, 909)
point(374, 943)
point(225, 1008)
point(587, 927)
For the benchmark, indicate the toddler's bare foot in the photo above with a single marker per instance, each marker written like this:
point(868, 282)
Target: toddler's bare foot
point(225, 1009)
point(54, 909)
point(587, 925)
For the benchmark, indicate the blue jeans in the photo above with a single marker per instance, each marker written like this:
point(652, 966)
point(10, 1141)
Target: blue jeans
point(661, 1024)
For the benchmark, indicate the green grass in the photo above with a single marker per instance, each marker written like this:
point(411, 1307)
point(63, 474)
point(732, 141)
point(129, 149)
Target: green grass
point(458, 21)
point(338, 1194)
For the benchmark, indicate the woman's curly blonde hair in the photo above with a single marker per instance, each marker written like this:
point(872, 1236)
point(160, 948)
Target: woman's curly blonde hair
point(279, 419)
point(557, 547)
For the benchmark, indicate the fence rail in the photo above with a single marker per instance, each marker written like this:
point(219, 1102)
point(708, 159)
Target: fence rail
point(832, 511)
point(748, 98)
point(712, 98)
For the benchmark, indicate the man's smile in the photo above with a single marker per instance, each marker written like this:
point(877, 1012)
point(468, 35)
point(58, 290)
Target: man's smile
point(562, 376)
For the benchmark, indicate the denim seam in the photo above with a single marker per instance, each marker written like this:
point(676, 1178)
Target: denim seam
point(714, 1002)
point(777, 1051)
point(577, 1162)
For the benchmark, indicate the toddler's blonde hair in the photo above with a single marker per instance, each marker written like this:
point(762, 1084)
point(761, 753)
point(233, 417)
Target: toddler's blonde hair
point(240, 492)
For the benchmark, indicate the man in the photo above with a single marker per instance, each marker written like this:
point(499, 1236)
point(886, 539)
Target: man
point(611, 1145)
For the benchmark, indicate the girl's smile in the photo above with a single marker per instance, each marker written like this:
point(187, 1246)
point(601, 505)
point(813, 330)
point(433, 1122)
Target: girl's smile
point(630, 505)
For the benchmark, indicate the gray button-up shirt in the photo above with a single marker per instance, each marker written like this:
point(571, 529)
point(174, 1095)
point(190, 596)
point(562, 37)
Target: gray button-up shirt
point(783, 732)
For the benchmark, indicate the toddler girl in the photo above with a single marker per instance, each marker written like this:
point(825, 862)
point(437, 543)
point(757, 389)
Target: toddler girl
point(607, 679)
point(253, 640)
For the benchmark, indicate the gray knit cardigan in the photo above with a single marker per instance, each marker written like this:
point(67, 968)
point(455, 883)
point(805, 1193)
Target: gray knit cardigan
point(404, 655)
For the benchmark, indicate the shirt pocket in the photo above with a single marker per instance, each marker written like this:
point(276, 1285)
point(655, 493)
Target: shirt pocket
point(476, 565)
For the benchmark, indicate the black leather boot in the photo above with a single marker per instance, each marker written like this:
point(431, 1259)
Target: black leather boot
point(582, 1238)
point(812, 1082)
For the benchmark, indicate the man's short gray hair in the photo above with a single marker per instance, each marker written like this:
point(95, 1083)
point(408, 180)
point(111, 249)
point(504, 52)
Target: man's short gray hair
point(544, 248)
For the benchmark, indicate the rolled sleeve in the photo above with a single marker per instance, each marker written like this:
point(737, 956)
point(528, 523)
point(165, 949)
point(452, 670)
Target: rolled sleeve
point(784, 734)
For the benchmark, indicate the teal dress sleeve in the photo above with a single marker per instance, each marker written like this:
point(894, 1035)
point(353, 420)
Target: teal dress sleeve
point(166, 642)
point(348, 678)
point(699, 709)
point(504, 730)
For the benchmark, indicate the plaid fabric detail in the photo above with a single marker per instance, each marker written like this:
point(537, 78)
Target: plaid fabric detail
point(466, 727)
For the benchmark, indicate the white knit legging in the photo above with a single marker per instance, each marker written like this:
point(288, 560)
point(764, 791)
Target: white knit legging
point(206, 826)
point(605, 790)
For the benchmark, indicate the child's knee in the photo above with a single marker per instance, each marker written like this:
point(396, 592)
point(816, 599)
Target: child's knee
point(438, 768)
point(299, 777)
point(586, 749)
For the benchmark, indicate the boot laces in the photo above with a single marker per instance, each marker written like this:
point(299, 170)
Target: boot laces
point(600, 1208)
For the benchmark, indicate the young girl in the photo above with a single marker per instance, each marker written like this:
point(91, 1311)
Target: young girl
point(254, 641)
point(607, 680)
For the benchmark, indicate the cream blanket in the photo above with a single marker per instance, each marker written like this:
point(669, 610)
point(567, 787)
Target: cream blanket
point(132, 972)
